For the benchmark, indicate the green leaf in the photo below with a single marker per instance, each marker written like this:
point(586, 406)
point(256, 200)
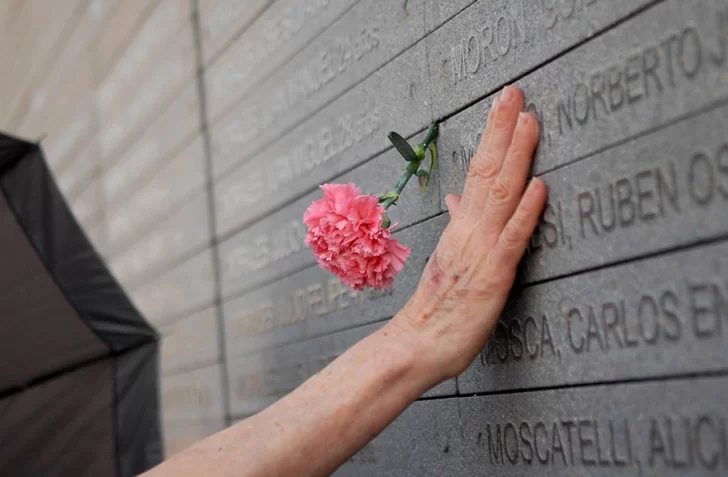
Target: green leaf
point(403, 147)
point(422, 173)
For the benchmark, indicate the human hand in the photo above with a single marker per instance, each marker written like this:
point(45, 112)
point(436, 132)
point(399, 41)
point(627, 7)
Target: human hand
point(467, 279)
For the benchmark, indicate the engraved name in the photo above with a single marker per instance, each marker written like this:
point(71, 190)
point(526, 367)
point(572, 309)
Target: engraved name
point(273, 381)
point(692, 306)
point(181, 344)
point(329, 64)
point(669, 441)
point(187, 397)
point(312, 301)
point(326, 66)
point(278, 379)
point(266, 249)
point(499, 36)
point(484, 46)
point(276, 32)
point(311, 152)
point(157, 298)
point(151, 252)
point(647, 196)
point(653, 70)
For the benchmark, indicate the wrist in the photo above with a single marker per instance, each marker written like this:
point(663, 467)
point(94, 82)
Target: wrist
point(415, 350)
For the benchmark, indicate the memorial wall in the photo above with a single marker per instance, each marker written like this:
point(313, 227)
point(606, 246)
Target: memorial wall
point(190, 136)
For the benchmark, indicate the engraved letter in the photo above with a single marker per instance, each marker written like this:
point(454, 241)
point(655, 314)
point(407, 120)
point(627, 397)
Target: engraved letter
point(587, 212)
point(693, 53)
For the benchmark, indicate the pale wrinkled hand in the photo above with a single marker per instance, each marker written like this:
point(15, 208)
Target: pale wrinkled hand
point(468, 278)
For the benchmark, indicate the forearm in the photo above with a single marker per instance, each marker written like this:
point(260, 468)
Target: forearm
point(321, 424)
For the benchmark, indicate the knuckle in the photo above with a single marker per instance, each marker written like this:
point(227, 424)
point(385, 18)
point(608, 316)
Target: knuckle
point(530, 209)
point(500, 121)
point(499, 192)
point(511, 238)
point(483, 167)
point(506, 115)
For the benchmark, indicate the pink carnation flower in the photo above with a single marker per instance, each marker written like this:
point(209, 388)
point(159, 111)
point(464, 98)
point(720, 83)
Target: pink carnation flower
point(346, 235)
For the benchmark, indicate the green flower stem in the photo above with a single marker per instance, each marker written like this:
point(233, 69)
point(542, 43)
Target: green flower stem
point(393, 196)
point(412, 167)
point(431, 136)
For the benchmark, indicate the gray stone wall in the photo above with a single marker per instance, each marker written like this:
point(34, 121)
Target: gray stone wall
point(189, 137)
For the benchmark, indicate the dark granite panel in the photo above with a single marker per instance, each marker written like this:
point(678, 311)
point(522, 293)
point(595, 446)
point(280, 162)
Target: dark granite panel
point(329, 143)
point(367, 37)
point(190, 343)
point(649, 429)
point(659, 191)
point(258, 380)
point(494, 41)
point(663, 64)
point(652, 318)
point(193, 397)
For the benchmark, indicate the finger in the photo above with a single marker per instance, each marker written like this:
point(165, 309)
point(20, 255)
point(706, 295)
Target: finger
point(453, 203)
point(488, 160)
point(512, 242)
point(507, 189)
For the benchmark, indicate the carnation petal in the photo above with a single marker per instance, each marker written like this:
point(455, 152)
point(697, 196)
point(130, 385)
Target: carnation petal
point(345, 235)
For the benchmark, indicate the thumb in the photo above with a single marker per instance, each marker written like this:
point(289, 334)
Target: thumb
point(453, 203)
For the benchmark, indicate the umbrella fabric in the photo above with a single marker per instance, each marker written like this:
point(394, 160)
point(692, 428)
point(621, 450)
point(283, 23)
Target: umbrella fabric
point(79, 392)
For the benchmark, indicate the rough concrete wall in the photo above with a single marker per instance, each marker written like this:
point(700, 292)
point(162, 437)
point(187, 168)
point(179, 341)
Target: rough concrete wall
point(189, 138)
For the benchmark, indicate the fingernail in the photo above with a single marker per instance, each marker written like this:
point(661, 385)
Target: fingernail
point(508, 94)
point(448, 201)
point(533, 181)
point(495, 102)
point(523, 118)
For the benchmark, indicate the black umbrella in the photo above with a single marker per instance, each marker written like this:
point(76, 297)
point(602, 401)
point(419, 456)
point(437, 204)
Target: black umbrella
point(78, 364)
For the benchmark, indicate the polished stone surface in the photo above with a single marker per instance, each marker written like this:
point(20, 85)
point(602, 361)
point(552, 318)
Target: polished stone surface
point(175, 237)
point(185, 288)
point(329, 143)
point(190, 343)
point(270, 43)
point(193, 397)
point(370, 35)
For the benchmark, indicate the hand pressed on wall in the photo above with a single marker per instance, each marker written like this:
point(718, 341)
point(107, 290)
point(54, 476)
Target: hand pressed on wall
point(438, 333)
point(467, 279)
